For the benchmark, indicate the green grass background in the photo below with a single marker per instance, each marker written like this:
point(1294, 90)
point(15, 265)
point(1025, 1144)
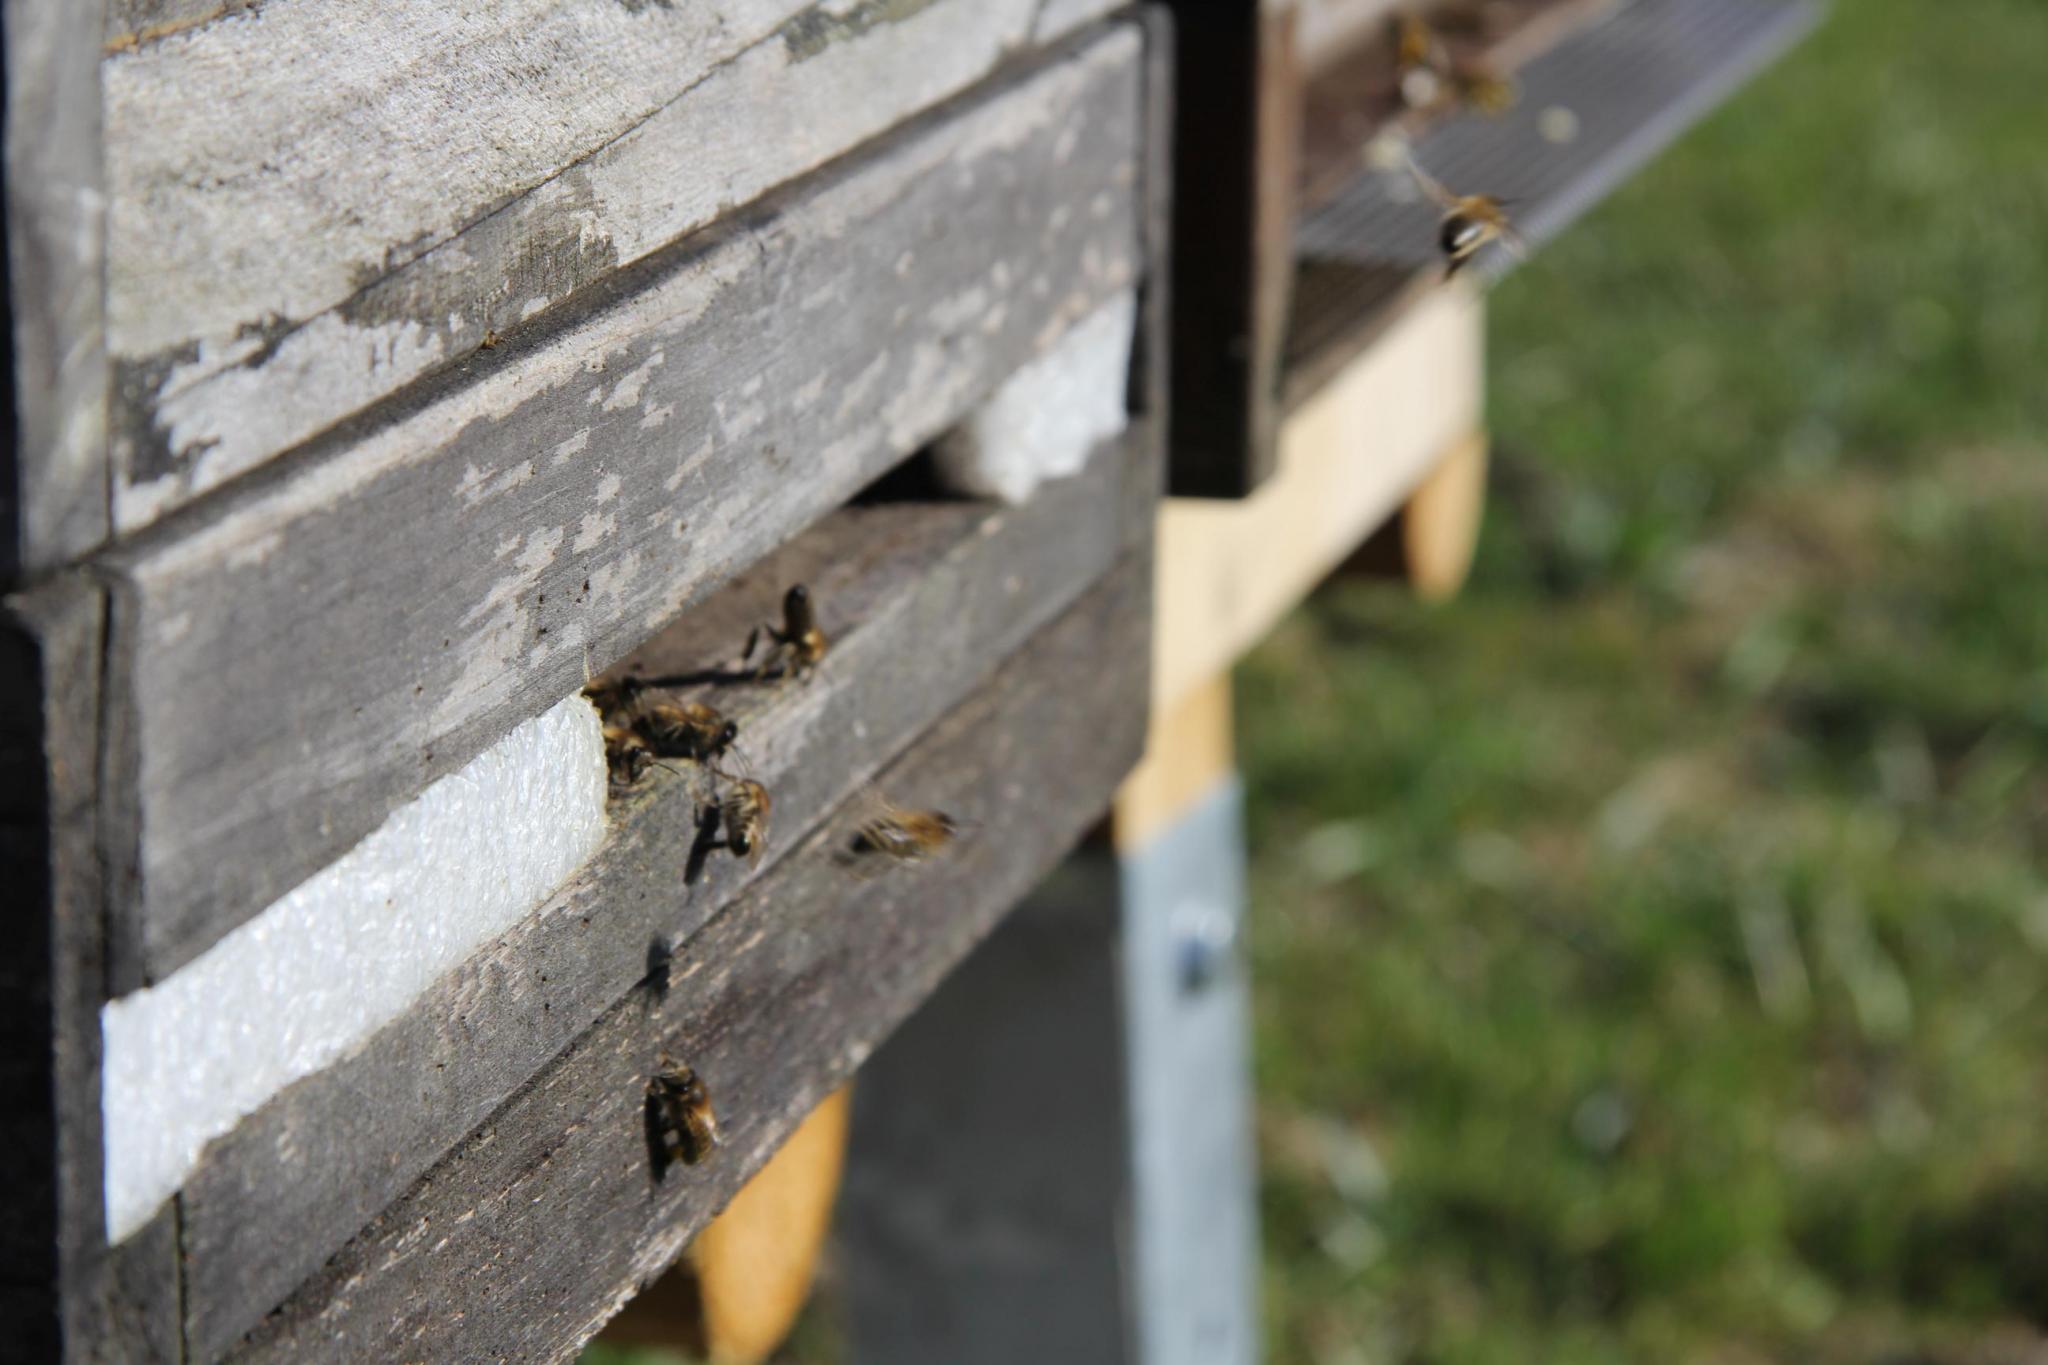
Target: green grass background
point(1651, 945)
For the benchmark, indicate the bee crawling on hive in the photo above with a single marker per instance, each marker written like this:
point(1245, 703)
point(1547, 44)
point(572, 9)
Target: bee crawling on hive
point(743, 810)
point(899, 834)
point(684, 1122)
point(1470, 221)
point(795, 649)
point(687, 729)
point(639, 731)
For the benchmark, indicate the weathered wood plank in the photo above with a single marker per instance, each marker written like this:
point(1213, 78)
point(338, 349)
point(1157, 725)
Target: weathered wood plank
point(921, 602)
point(65, 1295)
point(53, 457)
point(314, 204)
point(773, 1003)
point(374, 617)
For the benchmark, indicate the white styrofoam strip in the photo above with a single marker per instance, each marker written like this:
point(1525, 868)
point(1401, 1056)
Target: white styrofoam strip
point(346, 951)
point(1046, 418)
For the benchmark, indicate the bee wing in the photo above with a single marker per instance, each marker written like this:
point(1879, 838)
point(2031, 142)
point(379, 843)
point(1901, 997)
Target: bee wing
point(1431, 186)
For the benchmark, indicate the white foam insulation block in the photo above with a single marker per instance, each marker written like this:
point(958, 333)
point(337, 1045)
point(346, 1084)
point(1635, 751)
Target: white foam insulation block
point(317, 973)
point(1046, 418)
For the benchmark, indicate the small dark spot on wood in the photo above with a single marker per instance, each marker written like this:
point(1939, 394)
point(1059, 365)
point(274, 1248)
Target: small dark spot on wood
point(659, 956)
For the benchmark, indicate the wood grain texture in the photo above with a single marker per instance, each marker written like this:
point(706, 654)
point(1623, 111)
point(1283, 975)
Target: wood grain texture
point(63, 1294)
point(774, 1003)
point(921, 602)
point(307, 656)
point(1237, 130)
point(314, 204)
point(53, 464)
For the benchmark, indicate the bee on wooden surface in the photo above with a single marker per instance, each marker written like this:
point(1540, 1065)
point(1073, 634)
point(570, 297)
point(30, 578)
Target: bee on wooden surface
point(686, 729)
point(685, 1121)
point(626, 756)
point(796, 648)
point(491, 341)
point(1470, 221)
point(744, 811)
point(904, 835)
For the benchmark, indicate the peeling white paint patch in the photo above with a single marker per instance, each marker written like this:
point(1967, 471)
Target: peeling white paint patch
point(592, 532)
point(574, 446)
point(627, 392)
point(255, 551)
point(314, 975)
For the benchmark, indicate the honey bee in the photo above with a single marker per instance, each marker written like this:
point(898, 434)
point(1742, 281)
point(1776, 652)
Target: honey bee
point(1470, 221)
point(1429, 77)
point(907, 836)
point(1476, 85)
point(686, 729)
point(491, 341)
point(684, 1118)
point(626, 756)
point(1418, 62)
point(797, 647)
point(744, 810)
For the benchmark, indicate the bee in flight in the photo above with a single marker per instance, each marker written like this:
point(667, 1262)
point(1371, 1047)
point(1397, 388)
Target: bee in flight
point(794, 649)
point(684, 1118)
point(903, 835)
point(1470, 221)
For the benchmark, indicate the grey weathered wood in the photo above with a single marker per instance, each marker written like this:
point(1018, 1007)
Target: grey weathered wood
point(986, 1213)
point(921, 602)
point(315, 204)
point(53, 465)
point(773, 1003)
point(63, 1294)
point(314, 651)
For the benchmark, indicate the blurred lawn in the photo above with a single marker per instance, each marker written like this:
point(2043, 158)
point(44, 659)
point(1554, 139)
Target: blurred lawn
point(1651, 947)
